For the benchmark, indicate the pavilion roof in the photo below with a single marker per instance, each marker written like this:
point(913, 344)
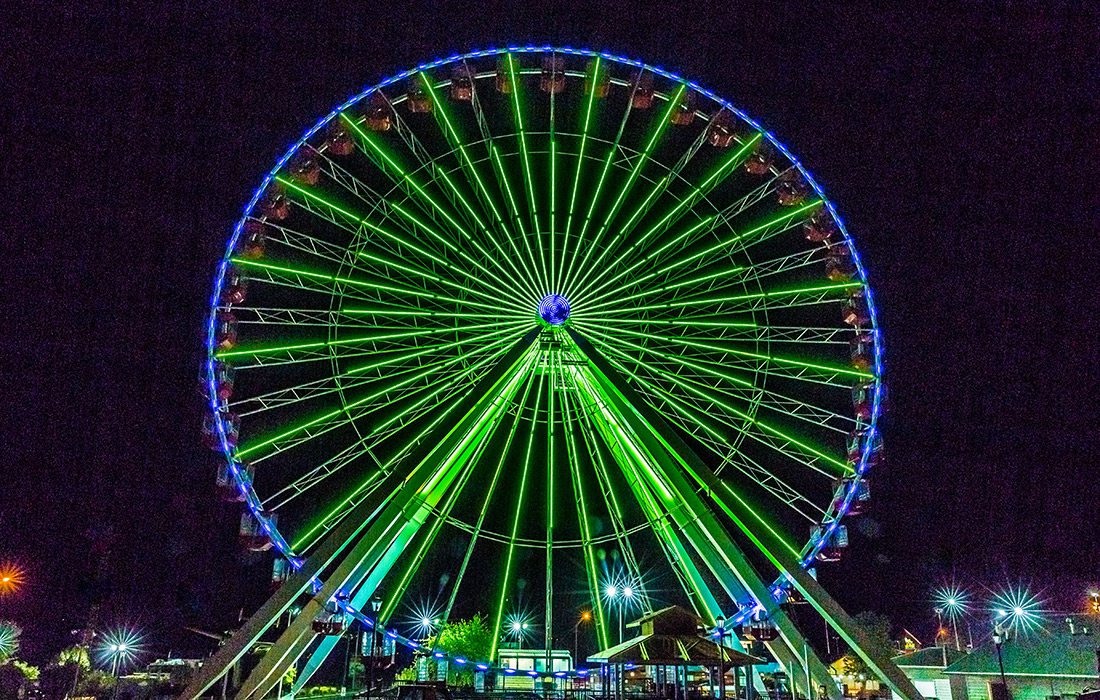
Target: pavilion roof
point(669, 650)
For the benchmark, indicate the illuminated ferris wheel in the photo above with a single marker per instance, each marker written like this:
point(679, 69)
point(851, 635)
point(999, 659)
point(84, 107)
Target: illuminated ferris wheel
point(516, 324)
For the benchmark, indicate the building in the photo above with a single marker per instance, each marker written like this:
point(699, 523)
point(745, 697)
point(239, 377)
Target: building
point(927, 669)
point(524, 660)
point(1058, 661)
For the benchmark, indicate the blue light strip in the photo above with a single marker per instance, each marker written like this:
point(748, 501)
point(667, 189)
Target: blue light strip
point(246, 488)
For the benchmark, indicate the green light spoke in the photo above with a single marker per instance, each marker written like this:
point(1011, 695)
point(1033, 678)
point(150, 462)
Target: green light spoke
point(710, 277)
point(723, 247)
point(335, 513)
point(707, 392)
point(310, 536)
point(788, 219)
point(522, 133)
point(772, 400)
point(640, 163)
point(324, 418)
point(674, 214)
point(551, 424)
point(344, 458)
point(440, 108)
point(594, 295)
point(489, 493)
point(734, 298)
point(707, 480)
point(574, 267)
point(287, 396)
point(610, 500)
point(506, 302)
point(310, 352)
point(553, 194)
point(573, 455)
point(653, 495)
point(438, 518)
point(517, 218)
point(580, 152)
point(506, 579)
point(458, 227)
point(676, 359)
point(391, 396)
point(373, 286)
point(680, 340)
point(696, 418)
point(416, 221)
point(316, 344)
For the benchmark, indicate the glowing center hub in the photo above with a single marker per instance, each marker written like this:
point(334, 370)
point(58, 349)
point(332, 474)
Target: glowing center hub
point(554, 309)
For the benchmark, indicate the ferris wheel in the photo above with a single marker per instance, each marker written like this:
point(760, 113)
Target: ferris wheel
point(516, 327)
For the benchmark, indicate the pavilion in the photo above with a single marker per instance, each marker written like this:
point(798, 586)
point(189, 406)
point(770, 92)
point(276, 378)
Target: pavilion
point(672, 638)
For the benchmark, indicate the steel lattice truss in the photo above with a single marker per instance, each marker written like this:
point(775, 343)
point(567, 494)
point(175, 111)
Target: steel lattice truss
point(553, 317)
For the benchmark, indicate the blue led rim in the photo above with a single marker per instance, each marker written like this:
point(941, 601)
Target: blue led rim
point(211, 379)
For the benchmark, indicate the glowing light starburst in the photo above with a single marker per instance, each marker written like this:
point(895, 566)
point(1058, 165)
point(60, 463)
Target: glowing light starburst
point(425, 619)
point(120, 648)
point(9, 639)
point(953, 600)
point(1017, 610)
point(517, 626)
point(11, 578)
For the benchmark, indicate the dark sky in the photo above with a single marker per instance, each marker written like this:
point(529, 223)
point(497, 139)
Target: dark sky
point(960, 146)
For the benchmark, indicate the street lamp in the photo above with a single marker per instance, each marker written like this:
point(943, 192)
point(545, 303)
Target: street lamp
point(11, 578)
point(119, 647)
point(117, 652)
point(586, 616)
point(375, 606)
point(619, 597)
point(519, 631)
point(998, 642)
point(721, 633)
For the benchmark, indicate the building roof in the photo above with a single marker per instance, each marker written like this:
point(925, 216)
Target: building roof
point(670, 650)
point(1054, 650)
point(929, 657)
point(673, 614)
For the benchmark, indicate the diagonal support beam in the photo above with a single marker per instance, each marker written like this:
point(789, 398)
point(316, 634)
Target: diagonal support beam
point(385, 540)
point(639, 413)
point(335, 546)
point(698, 525)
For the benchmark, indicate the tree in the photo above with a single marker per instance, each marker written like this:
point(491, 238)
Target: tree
point(75, 655)
point(29, 672)
point(96, 683)
point(469, 639)
point(356, 670)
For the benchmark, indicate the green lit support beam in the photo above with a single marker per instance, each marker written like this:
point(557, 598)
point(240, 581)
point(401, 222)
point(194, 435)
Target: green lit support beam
point(765, 539)
point(386, 538)
point(686, 510)
point(335, 549)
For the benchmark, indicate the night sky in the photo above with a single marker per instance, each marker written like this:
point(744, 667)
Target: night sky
point(960, 147)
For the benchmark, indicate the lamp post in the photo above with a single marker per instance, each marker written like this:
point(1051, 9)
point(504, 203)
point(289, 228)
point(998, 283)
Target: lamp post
point(619, 597)
point(720, 632)
point(586, 616)
point(117, 651)
point(375, 606)
point(998, 642)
